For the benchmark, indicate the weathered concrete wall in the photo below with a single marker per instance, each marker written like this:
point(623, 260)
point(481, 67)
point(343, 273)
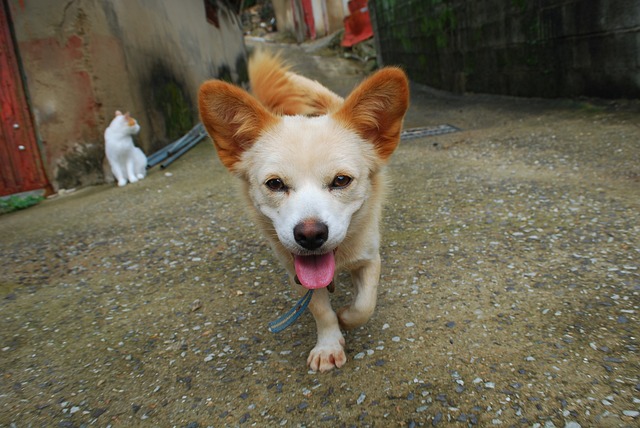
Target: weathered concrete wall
point(328, 16)
point(87, 58)
point(546, 48)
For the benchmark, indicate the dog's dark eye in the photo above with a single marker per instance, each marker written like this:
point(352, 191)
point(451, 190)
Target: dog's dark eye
point(276, 185)
point(340, 181)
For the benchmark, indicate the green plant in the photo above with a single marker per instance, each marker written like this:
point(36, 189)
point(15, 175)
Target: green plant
point(16, 202)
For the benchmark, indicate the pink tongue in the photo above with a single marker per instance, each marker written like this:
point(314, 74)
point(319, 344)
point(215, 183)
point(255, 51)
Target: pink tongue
point(315, 271)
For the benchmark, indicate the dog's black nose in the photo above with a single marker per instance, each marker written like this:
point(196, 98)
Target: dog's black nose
point(311, 234)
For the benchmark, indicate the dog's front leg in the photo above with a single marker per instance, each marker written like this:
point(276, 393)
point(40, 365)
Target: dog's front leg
point(365, 280)
point(329, 350)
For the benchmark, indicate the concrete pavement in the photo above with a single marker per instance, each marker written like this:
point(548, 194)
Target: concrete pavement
point(509, 293)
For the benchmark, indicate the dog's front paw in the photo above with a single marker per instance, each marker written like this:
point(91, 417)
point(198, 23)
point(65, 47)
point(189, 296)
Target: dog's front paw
point(327, 355)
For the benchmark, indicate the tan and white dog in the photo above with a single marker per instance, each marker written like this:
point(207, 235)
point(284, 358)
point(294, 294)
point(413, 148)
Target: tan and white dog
point(312, 167)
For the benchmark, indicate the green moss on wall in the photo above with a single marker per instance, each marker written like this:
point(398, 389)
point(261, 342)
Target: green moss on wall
point(440, 23)
point(169, 98)
point(177, 113)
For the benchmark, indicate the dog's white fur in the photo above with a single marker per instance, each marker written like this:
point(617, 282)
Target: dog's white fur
point(294, 148)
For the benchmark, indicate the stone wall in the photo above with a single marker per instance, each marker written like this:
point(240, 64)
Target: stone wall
point(85, 59)
point(542, 48)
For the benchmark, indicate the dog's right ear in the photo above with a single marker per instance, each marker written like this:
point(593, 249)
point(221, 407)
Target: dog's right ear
point(233, 119)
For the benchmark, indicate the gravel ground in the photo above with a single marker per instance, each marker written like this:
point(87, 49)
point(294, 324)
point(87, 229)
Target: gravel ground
point(509, 292)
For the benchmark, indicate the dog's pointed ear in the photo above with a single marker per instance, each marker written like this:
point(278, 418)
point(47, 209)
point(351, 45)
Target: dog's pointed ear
point(233, 119)
point(376, 109)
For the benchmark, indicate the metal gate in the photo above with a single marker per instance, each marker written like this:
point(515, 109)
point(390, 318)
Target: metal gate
point(21, 166)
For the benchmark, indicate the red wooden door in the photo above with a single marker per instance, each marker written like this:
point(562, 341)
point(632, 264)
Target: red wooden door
point(20, 161)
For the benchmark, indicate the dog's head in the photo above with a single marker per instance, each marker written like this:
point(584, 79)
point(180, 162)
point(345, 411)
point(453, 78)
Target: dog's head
point(308, 175)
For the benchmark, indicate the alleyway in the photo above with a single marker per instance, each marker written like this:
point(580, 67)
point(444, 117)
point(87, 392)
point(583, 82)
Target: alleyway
point(510, 286)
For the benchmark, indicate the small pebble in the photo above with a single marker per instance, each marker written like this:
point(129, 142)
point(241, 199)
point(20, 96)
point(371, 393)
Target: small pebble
point(197, 304)
point(631, 413)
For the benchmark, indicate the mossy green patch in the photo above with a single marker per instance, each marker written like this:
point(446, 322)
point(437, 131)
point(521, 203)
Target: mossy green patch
point(18, 202)
point(178, 115)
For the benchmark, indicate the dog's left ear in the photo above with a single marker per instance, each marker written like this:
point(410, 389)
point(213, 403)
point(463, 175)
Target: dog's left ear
point(233, 119)
point(376, 108)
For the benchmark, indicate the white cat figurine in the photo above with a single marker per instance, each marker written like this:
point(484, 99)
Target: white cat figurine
point(128, 162)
